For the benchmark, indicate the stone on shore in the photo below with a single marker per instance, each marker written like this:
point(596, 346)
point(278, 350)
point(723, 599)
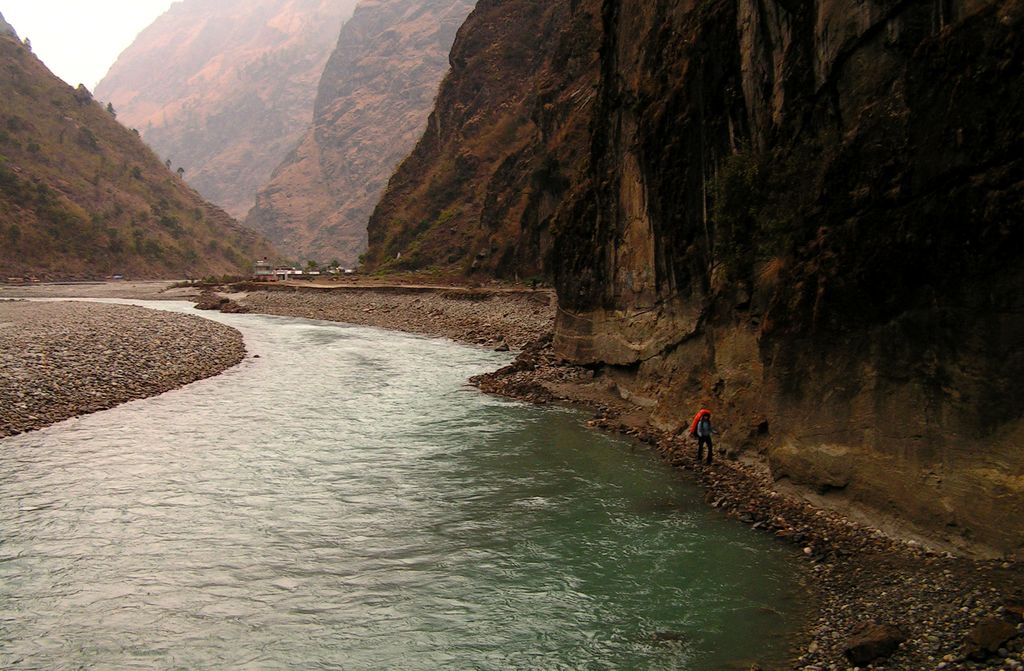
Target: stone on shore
point(1014, 609)
point(987, 637)
point(871, 641)
point(210, 300)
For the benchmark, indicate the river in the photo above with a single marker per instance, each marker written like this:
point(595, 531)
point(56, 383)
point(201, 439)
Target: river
point(344, 500)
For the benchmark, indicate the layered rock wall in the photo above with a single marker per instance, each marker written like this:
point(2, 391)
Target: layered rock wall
point(801, 213)
point(806, 220)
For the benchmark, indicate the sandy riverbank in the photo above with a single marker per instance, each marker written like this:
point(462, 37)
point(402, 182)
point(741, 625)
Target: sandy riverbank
point(149, 290)
point(63, 359)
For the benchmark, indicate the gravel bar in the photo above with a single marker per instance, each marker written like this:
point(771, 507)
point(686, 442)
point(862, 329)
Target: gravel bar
point(485, 318)
point(63, 359)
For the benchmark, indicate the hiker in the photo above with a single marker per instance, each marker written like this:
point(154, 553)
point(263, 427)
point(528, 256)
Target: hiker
point(701, 430)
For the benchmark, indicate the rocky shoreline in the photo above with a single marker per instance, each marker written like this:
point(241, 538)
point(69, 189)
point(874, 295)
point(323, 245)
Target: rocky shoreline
point(63, 359)
point(908, 606)
point(879, 602)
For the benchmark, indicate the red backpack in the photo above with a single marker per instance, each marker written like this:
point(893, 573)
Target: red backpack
point(696, 419)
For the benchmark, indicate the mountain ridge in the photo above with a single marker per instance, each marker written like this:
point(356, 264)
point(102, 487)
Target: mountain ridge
point(82, 197)
point(6, 28)
point(225, 89)
point(482, 187)
point(372, 103)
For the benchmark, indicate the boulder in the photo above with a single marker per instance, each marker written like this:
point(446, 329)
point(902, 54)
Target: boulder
point(871, 641)
point(208, 300)
point(1014, 608)
point(986, 637)
point(231, 307)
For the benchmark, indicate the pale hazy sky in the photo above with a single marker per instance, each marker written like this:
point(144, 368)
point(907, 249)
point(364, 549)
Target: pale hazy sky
point(80, 39)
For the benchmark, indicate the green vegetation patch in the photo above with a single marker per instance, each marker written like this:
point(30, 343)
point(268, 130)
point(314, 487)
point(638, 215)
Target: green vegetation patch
point(758, 205)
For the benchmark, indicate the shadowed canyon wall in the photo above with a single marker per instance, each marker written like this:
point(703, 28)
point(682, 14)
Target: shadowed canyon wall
point(481, 188)
point(802, 213)
point(225, 88)
point(373, 100)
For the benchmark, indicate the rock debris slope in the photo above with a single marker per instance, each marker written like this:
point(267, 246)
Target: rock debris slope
point(372, 105)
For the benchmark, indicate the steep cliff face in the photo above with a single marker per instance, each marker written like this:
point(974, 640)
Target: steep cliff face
point(805, 214)
point(372, 104)
point(801, 213)
point(225, 88)
point(481, 188)
point(82, 197)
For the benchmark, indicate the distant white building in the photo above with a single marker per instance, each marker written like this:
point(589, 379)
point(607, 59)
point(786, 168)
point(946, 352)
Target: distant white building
point(264, 271)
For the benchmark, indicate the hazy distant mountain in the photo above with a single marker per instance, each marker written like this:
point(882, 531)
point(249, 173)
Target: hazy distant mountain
point(375, 95)
point(6, 28)
point(81, 196)
point(225, 88)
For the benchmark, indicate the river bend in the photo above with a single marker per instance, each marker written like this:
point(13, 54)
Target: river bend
point(343, 500)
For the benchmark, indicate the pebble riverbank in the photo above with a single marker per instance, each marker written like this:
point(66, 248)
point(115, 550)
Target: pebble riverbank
point(63, 359)
point(485, 318)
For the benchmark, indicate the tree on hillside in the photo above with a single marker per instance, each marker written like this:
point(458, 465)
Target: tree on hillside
point(181, 172)
point(110, 109)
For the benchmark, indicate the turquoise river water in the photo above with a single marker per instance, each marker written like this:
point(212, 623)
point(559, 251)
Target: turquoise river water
point(347, 501)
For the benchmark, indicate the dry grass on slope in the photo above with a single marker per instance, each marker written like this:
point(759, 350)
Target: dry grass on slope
point(81, 196)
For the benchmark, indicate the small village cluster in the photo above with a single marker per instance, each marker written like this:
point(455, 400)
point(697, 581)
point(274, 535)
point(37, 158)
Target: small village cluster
point(265, 271)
